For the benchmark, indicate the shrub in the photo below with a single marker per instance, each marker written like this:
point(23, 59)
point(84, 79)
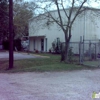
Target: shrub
point(70, 54)
point(56, 45)
point(5, 45)
point(17, 44)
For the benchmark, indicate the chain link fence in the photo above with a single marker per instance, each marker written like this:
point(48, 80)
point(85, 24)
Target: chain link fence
point(87, 52)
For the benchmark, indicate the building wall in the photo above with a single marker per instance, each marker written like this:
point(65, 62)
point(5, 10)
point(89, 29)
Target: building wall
point(35, 44)
point(85, 25)
point(31, 48)
point(52, 34)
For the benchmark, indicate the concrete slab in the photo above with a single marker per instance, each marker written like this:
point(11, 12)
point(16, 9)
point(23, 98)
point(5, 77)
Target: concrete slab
point(18, 55)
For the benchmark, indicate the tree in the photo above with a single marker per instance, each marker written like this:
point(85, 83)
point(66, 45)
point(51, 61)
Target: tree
point(4, 20)
point(23, 11)
point(71, 9)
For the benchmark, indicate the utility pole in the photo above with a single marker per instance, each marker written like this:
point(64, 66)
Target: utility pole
point(10, 34)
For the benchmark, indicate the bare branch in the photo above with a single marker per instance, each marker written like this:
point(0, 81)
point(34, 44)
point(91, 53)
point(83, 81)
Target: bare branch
point(58, 9)
point(71, 9)
point(54, 19)
point(64, 9)
point(78, 11)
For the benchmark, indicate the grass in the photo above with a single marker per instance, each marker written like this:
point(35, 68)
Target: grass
point(94, 63)
point(39, 65)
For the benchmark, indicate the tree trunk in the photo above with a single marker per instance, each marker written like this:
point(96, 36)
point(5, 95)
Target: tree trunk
point(66, 51)
point(64, 54)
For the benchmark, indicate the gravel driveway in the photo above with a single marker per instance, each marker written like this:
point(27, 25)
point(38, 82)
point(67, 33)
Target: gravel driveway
point(73, 85)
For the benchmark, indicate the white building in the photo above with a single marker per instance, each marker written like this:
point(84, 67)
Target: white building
point(41, 36)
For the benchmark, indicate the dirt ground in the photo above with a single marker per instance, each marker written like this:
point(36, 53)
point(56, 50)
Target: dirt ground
point(69, 85)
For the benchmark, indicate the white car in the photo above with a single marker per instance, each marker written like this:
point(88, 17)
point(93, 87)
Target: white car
point(25, 45)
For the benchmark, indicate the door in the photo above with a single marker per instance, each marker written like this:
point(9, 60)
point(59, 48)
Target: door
point(42, 45)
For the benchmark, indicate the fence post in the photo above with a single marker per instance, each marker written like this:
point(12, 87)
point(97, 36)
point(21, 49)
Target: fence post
point(80, 51)
point(83, 50)
point(90, 50)
point(95, 52)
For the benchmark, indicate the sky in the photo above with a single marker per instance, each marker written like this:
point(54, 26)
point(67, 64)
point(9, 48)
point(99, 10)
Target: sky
point(93, 4)
point(66, 4)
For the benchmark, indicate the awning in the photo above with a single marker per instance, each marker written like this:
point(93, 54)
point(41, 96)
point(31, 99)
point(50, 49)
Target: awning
point(36, 36)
